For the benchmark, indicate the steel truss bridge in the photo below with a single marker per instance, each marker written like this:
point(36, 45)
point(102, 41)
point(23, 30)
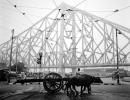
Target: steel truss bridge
point(69, 38)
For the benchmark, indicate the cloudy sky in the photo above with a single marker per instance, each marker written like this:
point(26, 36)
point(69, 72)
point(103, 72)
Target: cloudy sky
point(20, 14)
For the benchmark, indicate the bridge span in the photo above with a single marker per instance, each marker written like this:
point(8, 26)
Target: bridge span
point(69, 37)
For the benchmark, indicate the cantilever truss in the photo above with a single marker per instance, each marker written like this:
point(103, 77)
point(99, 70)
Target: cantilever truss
point(69, 37)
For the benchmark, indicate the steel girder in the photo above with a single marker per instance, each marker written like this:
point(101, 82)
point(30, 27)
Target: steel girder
point(68, 36)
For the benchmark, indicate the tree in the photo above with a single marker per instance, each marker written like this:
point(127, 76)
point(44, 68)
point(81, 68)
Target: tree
point(19, 67)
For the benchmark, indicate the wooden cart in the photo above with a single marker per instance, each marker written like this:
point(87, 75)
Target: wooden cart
point(52, 82)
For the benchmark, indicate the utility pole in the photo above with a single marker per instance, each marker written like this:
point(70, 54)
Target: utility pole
point(117, 32)
point(10, 63)
point(62, 29)
point(16, 57)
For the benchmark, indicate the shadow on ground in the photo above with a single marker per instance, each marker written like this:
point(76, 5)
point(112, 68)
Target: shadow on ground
point(44, 96)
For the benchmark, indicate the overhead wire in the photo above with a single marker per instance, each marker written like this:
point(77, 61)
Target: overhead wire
point(79, 3)
point(71, 9)
point(117, 10)
point(3, 3)
point(55, 3)
point(23, 13)
point(124, 8)
point(35, 7)
point(33, 15)
point(113, 12)
point(102, 11)
point(23, 6)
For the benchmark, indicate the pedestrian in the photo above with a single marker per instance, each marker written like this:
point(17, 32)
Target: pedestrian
point(78, 71)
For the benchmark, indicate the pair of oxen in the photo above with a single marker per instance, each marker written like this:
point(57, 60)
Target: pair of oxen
point(82, 80)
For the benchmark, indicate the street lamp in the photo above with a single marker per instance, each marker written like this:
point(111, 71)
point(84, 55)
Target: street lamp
point(39, 61)
point(117, 32)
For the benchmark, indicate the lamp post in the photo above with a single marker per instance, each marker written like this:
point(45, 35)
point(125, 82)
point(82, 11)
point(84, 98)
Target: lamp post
point(117, 32)
point(39, 62)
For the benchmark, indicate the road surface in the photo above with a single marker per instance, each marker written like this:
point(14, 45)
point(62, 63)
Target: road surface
point(37, 92)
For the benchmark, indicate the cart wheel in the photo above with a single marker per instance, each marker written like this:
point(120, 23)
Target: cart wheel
point(53, 82)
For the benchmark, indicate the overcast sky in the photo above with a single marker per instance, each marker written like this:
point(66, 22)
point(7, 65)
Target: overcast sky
point(33, 10)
